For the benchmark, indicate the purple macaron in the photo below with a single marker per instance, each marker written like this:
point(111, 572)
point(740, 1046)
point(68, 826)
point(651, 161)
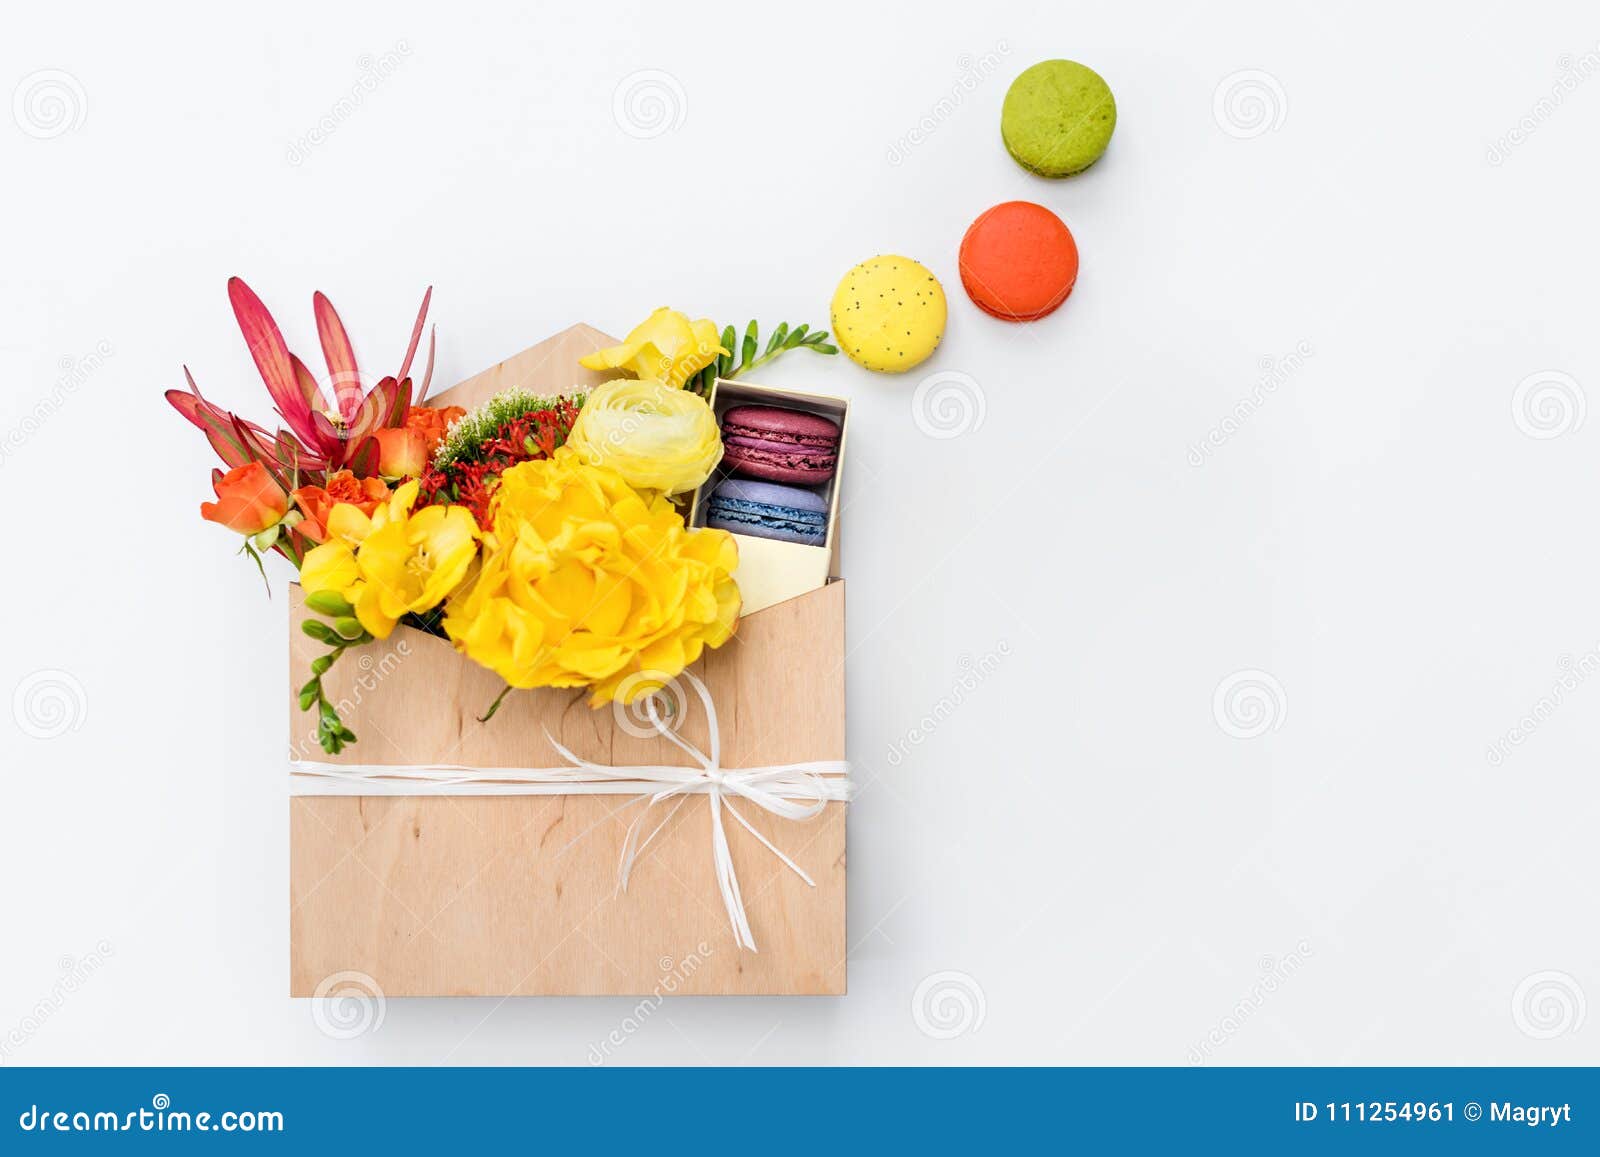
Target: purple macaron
point(768, 510)
point(780, 445)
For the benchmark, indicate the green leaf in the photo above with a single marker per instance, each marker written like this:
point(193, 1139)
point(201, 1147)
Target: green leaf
point(748, 353)
point(330, 603)
point(730, 342)
point(320, 631)
point(307, 698)
point(320, 665)
point(796, 337)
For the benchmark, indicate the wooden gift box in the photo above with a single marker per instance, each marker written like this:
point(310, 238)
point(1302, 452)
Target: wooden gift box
point(483, 895)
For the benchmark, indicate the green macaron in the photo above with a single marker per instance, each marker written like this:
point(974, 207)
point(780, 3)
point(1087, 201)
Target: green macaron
point(1057, 118)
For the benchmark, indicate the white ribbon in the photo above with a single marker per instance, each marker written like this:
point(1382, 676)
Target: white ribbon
point(793, 791)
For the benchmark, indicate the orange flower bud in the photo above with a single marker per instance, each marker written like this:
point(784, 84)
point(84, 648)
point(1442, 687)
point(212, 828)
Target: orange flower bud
point(248, 500)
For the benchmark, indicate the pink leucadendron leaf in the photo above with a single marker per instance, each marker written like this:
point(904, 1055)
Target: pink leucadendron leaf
point(271, 356)
point(343, 375)
point(416, 334)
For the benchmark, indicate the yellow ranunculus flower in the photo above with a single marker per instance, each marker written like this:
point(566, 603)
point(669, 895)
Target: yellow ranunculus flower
point(666, 346)
point(656, 437)
point(394, 563)
point(587, 582)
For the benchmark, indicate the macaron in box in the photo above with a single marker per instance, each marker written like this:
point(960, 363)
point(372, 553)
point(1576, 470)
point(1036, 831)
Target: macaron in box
point(777, 488)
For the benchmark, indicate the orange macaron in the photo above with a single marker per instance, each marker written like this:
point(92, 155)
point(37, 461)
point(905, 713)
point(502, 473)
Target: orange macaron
point(1018, 261)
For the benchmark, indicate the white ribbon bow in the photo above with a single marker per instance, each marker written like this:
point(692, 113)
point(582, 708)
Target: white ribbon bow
point(795, 791)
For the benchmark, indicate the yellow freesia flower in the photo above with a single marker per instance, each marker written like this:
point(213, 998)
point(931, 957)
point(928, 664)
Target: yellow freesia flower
point(588, 582)
point(666, 346)
point(394, 563)
point(656, 437)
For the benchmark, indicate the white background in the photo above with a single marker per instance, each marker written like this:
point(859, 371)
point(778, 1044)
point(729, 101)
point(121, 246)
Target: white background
point(1384, 542)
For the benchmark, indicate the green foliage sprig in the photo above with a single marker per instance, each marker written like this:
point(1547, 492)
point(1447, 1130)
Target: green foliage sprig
point(343, 631)
point(750, 355)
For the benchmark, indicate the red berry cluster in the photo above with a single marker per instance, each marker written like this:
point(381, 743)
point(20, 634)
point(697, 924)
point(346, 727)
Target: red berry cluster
point(471, 480)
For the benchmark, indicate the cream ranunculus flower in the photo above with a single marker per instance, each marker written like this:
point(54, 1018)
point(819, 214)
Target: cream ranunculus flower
point(586, 582)
point(656, 437)
point(666, 346)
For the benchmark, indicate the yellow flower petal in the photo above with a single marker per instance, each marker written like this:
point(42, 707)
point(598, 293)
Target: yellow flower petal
point(666, 345)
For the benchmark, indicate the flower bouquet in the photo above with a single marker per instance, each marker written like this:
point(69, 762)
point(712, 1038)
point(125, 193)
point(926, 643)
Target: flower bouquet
point(537, 533)
point(527, 529)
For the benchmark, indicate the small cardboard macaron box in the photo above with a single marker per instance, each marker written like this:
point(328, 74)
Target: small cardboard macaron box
point(771, 569)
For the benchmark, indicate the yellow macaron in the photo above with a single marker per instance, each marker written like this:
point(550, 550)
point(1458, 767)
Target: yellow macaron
point(889, 314)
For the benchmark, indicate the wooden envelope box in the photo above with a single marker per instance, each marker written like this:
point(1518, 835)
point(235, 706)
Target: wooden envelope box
point(517, 895)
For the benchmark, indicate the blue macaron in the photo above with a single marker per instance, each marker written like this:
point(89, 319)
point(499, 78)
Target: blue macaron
point(768, 510)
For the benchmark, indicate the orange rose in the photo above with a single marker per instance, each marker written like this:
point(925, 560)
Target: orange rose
point(432, 423)
point(403, 452)
point(343, 487)
point(248, 500)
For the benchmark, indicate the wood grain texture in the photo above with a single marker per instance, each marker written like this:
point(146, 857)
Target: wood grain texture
point(517, 895)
